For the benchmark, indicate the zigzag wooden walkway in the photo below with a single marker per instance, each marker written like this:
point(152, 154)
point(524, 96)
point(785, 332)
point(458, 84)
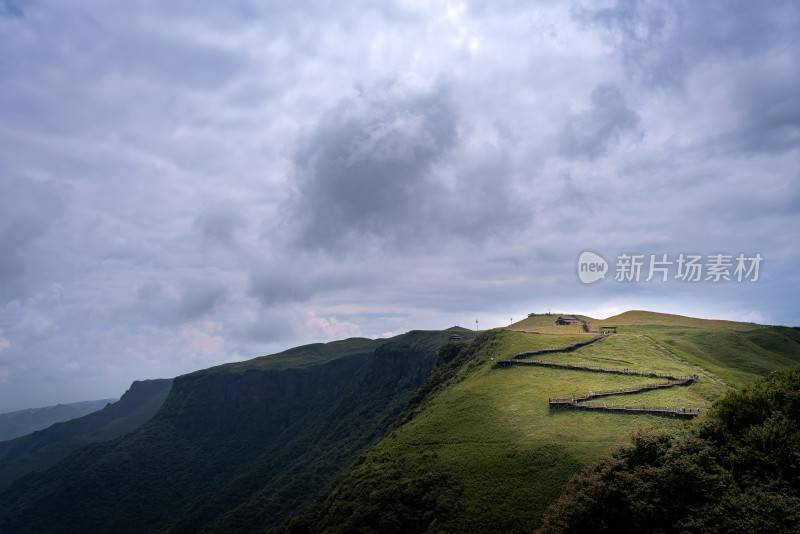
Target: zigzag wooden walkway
point(581, 402)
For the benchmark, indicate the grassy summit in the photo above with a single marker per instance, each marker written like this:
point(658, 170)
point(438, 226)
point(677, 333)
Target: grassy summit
point(301, 357)
point(485, 438)
point(649, 318)
point(546, 322)
point(443, 438)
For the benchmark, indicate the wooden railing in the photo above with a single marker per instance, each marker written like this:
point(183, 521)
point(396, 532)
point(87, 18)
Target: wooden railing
point(580, 402)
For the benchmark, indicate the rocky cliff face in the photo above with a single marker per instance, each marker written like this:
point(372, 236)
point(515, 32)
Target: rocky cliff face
point(262, 401)
point(43, 448)
point(22, 422)
point(144, 391)
point(234, 448)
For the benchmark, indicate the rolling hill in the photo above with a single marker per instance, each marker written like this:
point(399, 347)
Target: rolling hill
point(411, 434)
point(480, 450)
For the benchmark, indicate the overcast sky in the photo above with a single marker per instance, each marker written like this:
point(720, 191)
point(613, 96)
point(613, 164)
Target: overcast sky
point(184, 183)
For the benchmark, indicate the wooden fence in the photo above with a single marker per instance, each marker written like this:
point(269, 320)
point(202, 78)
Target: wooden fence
point(565, 348)
point(594, 368)
point(581, 402)
point(682, 413)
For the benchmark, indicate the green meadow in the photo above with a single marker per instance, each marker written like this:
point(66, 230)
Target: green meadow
point(491, 432)
point(497, 422)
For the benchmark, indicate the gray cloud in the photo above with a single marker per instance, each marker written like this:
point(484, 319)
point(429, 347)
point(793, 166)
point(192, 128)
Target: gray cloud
point(589, 134)
point(661, 42)
point(28, 209)
point(218, 224)
point(171, 306)
point(388, 171)
point(187, 184)
point(644, 34)
point(11, 8)
point(297, 278)
point(365, 172)
point(279, 285)
point(768, 110)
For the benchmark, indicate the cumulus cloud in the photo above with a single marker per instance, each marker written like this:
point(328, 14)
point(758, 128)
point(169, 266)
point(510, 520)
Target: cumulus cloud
point(365, 174)
point(661, 42)
point(388, 169)
point(589, 134)
point(332, 327)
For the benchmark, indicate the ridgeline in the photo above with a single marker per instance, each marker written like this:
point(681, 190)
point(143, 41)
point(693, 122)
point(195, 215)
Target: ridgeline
point(411, 434)
point(233, 447)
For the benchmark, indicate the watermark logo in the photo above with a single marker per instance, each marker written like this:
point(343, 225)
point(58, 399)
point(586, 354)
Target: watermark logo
point(591, 267)
point(687, 268)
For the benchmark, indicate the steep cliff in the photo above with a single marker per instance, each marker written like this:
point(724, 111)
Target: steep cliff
point(23, 422)
point(233, 446)
point(43, 448)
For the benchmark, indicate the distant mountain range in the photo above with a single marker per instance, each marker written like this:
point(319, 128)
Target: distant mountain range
point(41, 449)
point(422, 432)
point(21, 422)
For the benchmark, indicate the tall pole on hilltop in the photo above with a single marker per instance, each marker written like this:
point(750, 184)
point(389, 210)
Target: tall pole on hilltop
point(476, 325)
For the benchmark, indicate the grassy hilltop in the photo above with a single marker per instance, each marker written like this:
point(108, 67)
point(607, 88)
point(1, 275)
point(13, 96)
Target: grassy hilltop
point(478, 448)
point(409, 434)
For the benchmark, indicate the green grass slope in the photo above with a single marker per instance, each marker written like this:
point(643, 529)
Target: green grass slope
point(650, 318)
point(479, 450)
point(301, 357)
point(736, 352)
point(734, 471)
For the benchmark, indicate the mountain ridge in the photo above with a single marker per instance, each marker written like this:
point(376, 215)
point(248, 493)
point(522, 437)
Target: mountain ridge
point(21, 422)
point(487, 439)
point(228, 433)
point(43, 448)
point(406, 434)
